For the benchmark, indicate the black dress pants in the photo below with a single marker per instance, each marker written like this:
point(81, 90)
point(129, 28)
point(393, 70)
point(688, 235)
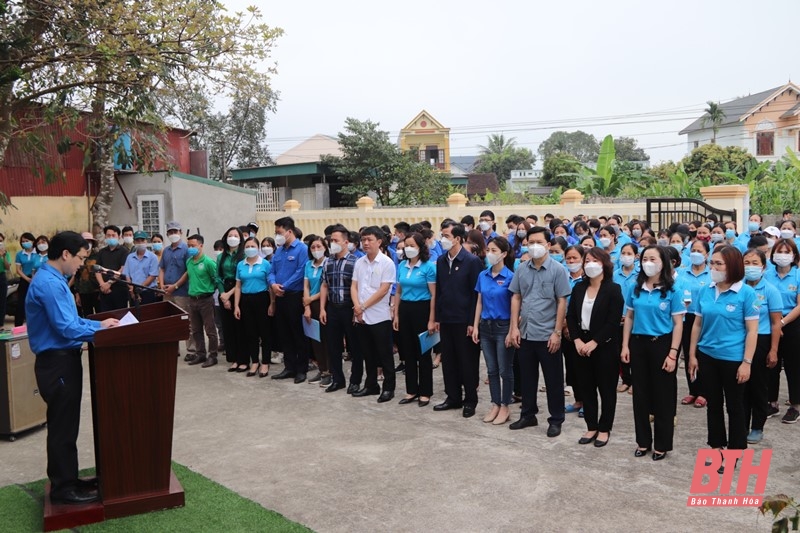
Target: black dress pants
point(375, 341)
point(654, 391)
point(460, 365)
point(413, 320)
point(721, 389)
point(59, 375)
point(253, 309)
point(232, 333)
point(22, 292)
point(570, 366)
point(531, 355)
point(597, 374)
point(289, 316)
point(340, 325)
point(116, 299)
point(755, 395)
point(695, 388)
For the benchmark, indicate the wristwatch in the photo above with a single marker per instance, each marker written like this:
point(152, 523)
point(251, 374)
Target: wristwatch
point(748, 361)
point(557, 333)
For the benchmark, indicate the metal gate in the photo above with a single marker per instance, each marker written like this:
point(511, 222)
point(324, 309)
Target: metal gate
point(661, 212)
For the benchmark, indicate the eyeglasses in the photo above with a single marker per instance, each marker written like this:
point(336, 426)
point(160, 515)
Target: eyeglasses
point(81, 257)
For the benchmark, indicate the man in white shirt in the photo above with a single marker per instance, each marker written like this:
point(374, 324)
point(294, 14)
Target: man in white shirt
point(373, 276)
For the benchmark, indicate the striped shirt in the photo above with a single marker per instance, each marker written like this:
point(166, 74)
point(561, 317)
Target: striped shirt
point(338, 275)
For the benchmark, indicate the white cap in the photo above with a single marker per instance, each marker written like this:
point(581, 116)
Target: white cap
point(773, 231)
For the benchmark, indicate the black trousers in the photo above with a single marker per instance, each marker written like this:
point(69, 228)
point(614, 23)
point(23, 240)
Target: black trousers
point(695, 388)
point(755, 390)
point(624, 368)
point(413, 320)
point(654, 391)
point(22, 292)
point(721, 388)
point(789, 356)
point(597, 374)
point(570, 366)
point(90, 304)
point(460, 365)
point(375, 341)
point(59, 375)
point(289, 316)
point(116, 299)
point(232, 333)
point(340, 325)
point(253, 309)
point(3, 297)
point(531, 355)
point(319, 349)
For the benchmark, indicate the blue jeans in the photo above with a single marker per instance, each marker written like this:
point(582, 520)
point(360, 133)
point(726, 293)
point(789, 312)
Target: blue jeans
point(499, 359)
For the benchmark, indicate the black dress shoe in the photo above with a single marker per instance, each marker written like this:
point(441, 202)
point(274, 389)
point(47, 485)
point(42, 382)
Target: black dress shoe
point(423, 403)
point(600, 443)
point(233, 368)
point(657, 456)
point(333, 387)
point(641, 453)
point(76, 496)
point(408, 400)
point(90, 483)
point(587, 440)
point(284, 374)
point(300, 378)
point(366, 392)
point(353, 387)
point(553, 430)
point(524, 423)
point(385, 396)
point(468, 411)
point(445, 405)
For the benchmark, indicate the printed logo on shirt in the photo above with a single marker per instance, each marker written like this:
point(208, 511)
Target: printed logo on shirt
point(792, 287)
point(730, 308)
point(501, 282)
point(291, 258)
point(201, 266)
point(760, 296)
point(663, 306)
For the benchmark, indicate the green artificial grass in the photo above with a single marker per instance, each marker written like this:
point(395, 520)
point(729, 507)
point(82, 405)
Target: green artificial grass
point(209, 507)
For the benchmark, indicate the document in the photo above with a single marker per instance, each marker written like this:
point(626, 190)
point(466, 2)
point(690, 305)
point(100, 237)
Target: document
point(426, 341)
point(311, 329)
point(128, 319)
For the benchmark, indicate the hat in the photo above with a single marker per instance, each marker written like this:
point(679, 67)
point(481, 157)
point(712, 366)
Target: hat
point(174, 225)
point(140, 235)
point(87, 235)
point(253, 225)
point(773, 231)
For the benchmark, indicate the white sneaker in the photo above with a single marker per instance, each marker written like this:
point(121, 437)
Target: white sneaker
point(276, 359)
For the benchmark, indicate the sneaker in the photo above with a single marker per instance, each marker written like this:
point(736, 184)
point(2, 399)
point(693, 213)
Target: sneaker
point(772, 410)
point(316, 378)
point(791, 416)
point(325, 381)
point(755, 436)
point(276, 359)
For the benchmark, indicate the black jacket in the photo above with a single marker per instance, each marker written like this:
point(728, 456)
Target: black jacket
point(606, 312)
point(455, 288)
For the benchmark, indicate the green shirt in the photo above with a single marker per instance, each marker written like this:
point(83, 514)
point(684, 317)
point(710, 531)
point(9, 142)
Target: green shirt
point(202, 274)
point(228, 264)
point(7, 257)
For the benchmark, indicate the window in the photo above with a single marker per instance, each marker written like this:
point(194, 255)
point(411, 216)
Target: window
point(765, 143)
point(697, 144)
point(151, 213)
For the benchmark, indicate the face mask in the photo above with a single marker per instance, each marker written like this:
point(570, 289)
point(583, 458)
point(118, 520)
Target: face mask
point(175, 237)
point(558, 258)
point(112, 242)
point(251, 252)
point(537, 251)
point(770, 242)
point(158, 246)
point(787, 234)
point(215, 253)
point(351, 246)
point(193, 252)
point(678, 246)
point(650, 268)
point(521, 233)
point(494, 258)
point(605, 242)
point(446, 243)
point(753, 226)
point(782, 260)
point(335, 248)
point(717, 237)
point(27, 245)
point(267, 251)
point(318, 254)
point(253, 234)
point(663, 242)
point(395, 239)
point(730, 234)
point(485, 226)
point(399, 254)
point(753, 273)
point(410, 252)
point(718, 276)
point(280, 240)
point(141, 247)
point(42, 247)
point(233, 242)
point(697, 258)
point(593, 269)
point(573, 267)
point(626, 260)
point(636, 233)
point(704, 238)
point(127, 240)
point(430, 244)
point(692, 234)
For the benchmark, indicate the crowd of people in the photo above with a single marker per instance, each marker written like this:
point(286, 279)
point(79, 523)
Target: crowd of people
point(602, 305)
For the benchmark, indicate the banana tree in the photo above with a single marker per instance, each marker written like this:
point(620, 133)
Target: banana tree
point(601, 181)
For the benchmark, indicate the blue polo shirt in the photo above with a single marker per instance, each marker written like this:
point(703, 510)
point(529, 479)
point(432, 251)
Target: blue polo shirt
point(492, 235)
point(786, 285)
point(724, 315)
point(173, 263)
point(692, 284)
point(138, 269)
point(652, 312)
point(414, 280)
point(253, 277)
point(288, 266)
point(626, 282)
point(53, 321)
point(769, 299)
point(495, 296)
point(314, 276)
point(28, 261)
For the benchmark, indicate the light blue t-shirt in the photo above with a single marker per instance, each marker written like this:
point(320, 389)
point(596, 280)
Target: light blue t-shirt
point(787, 287)
point(692, 284)
point(770, 301)
point(314, 276)
point(626, 282)
point(723, 333)
point(253, 277)
point(414, 280)
point(652, 312)
point(495, 296)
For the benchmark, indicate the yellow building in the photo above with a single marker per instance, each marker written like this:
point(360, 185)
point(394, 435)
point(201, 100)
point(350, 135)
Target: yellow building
point(429, 139)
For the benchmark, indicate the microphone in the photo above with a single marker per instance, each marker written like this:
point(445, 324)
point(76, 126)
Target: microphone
point(103, 270)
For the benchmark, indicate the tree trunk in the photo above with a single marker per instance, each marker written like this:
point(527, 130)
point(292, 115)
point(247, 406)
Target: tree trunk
point(108, 185)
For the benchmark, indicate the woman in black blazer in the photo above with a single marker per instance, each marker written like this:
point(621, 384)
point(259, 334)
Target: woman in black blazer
point(593, 320)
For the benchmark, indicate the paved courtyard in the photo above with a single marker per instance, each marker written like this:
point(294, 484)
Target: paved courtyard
point(342, 464)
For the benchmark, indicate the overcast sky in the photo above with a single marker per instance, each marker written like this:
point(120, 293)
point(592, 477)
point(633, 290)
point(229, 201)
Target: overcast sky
point(523, 68)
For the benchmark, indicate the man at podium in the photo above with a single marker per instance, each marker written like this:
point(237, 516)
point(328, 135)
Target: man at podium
point(56, 333)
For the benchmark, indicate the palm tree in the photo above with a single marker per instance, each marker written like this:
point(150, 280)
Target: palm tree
point(497, 144)
point(715, 115)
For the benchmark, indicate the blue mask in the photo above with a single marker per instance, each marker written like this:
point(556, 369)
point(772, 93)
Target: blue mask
point(753, 226)
point(158, 246)
point(112, 242)
point(697, 258)
point(193, 252)
point(558, 258)
point(395, 239)
point(251, 252)
point(678, 246)
point(753, 273)
point(27, 245)
point(730, 234)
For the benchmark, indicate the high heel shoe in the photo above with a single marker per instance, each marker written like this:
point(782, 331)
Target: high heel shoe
point(641, 452)
point(502, 416)
point(264, 374)
point(252, 372)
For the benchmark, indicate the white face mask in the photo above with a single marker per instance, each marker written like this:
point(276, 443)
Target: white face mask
point(605, 242)
point(485, 226)
point(593, 269)
point(175, 237)
point(233, 242)
point(335, 248)
point(782, 260)
point(399, 254)
point(537, 251)
point(717, 237)
point(787, 234)
point(521, 233)
point(626, 260)
point(42, 247)
point(770, 242)
point(573, 267)
point(718, 276)
point(127, 240)
point(430, 244)
point(267, 251)
point(351, 246)
point(494, 258)
point(280, 240)
point(141, 247)
point(650, 268)
point(318, 254)
point(446, 243)
point(410, 252)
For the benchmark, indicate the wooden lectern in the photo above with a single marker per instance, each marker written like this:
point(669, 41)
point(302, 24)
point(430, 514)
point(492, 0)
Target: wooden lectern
point(132, 373)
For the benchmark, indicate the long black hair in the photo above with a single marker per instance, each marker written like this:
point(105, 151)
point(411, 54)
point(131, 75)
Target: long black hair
point(502, 243)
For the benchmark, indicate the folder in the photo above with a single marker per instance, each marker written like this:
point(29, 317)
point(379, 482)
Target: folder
point(311, 329)
point(427, 341)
